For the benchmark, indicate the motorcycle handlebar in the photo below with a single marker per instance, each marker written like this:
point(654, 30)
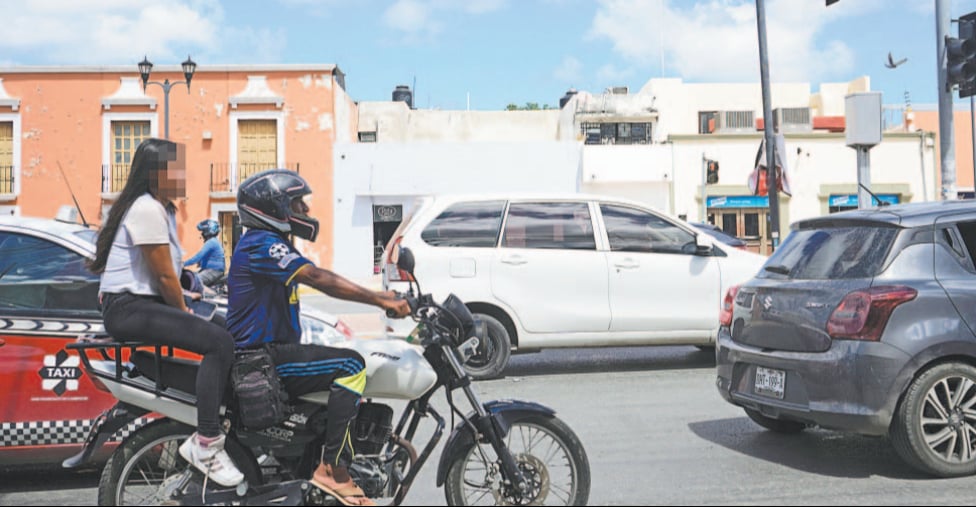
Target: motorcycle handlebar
point(412, 301)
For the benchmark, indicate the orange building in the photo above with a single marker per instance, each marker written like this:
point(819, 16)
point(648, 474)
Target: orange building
point(79, 126)
point(962, 128)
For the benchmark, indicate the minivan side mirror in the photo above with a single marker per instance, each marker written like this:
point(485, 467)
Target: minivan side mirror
point(405, 260)
point(702, 246)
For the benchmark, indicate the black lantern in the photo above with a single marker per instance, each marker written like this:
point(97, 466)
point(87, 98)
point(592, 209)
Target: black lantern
point(189, 67)
point(145, 67)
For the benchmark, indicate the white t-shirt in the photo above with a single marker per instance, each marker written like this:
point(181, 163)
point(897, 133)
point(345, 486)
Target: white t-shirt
point(146, 223)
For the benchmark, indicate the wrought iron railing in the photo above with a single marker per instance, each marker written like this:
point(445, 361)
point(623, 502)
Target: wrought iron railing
point(114, 177)
point(226, 176)
point(7, 179)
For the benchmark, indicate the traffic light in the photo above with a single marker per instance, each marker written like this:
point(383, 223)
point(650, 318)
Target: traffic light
point(711, 174)
point(964, 64)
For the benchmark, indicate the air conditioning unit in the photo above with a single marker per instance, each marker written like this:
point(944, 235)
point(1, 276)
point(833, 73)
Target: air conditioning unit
point(620, 90)
point(792, 119)
point(734, 122)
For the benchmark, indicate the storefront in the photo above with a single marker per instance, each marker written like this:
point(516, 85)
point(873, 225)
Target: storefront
point(743, 216)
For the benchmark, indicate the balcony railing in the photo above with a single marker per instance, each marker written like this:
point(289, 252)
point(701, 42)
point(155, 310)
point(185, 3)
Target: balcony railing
point(7, 179)
point(226, 177)
point(114, 177)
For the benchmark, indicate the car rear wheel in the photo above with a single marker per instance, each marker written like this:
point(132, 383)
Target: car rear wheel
point(492, 355)
point(934, 429)
point(775, 425)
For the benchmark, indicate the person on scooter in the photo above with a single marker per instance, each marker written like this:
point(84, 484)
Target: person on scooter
point(138, 255)
point(263, 311)
point(210, 258)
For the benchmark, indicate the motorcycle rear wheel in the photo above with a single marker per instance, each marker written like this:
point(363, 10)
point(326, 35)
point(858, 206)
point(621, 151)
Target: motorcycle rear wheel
point(550, 455)
point(138, 471)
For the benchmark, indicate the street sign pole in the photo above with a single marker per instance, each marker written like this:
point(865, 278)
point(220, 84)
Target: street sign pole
point(947, 148)
point(704, 193)
point(768, 126)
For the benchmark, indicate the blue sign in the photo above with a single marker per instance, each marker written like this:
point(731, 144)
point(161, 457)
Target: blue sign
point(738, 201)
point(850, 200)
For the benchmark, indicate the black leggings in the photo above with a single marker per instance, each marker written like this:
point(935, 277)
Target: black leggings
point(307, 369)
point(150, 320)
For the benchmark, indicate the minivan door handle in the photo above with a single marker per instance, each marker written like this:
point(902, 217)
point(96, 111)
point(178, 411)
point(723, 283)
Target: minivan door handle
point(515, 260)
point(627, 264)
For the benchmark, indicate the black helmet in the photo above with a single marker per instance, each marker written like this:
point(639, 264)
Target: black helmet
point(264, 202)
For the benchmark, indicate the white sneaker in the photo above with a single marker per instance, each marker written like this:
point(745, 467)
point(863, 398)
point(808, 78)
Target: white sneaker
point(212, 460)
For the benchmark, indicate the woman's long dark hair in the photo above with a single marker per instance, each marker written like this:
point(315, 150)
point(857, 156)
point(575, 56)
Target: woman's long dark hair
point(150, 158)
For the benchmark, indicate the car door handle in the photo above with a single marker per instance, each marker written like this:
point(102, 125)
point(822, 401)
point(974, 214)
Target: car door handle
point(2, 342)
point(627, 264)
point(515, 260)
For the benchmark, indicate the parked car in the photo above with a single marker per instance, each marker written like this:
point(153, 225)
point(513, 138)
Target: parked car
point(548, 271)
point(863, 321)
point(47, 299)
point(717, 233)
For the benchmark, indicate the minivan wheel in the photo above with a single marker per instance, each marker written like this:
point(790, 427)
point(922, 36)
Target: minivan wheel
point(775, 425)
point(492, 355)
point(934, 429)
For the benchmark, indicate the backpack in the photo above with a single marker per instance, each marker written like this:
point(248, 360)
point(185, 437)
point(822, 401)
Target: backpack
point(258, 392)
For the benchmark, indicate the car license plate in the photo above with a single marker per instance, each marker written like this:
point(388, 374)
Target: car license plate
point(770, 382)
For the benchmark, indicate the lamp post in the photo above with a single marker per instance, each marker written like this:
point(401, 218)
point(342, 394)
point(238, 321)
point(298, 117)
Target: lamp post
point(145, 67)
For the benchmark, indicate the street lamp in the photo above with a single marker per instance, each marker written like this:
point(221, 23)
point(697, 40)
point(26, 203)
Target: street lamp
point(145, 67)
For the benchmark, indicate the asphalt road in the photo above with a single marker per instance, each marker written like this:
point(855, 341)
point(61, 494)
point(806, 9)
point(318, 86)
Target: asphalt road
point(656, 432)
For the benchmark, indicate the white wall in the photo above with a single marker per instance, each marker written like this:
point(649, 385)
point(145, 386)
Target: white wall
point(639, 172)
point(824, 159)
point(398, 173)
point(394, 122)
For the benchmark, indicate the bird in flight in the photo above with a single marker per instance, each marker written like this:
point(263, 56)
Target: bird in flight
point(891, 63)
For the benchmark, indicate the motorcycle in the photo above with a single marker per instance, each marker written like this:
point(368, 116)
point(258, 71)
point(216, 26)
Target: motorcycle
point(191, 281)
point(503, 452)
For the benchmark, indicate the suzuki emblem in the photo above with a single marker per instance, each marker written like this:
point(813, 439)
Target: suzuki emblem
point(767, 302)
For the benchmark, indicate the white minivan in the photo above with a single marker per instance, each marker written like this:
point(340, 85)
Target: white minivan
point(575, 270)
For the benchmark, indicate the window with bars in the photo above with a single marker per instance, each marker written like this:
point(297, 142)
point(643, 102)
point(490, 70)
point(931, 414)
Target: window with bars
point(126, 137)
point(6, 157)
point(616, 133)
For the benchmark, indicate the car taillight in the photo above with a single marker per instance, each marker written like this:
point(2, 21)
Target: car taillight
point(863, 314)
point(725, 315)
point(395, 274)
point(344, 329)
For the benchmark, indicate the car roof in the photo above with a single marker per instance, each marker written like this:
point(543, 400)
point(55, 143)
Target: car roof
point(903, 215)
point(65, 231)
point(447, 199)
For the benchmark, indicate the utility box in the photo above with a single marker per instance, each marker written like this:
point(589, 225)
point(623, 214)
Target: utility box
point(863, 119)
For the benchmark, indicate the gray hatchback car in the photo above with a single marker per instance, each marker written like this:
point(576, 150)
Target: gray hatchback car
point(863, 321)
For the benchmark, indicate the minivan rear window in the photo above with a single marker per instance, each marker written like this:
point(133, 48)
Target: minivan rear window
point(466, 224)
point(831, 253)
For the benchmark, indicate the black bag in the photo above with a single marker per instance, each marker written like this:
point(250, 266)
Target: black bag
point(258, 391)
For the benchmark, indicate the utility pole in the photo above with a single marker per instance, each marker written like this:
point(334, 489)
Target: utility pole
point(947, 145)
point(768, 126)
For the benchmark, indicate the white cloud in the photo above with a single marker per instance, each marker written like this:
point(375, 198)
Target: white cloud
point(612, 75)
point(716, 40)
point(110, 31)
point(569, 71)
point(421, 18)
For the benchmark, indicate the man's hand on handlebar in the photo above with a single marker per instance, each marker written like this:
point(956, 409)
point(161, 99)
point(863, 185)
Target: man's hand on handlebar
point(394, 306)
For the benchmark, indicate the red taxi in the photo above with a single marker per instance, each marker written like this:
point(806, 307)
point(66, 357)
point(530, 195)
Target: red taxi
point(47, 299)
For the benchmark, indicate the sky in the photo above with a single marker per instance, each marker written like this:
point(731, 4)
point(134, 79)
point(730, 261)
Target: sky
point(486, 54)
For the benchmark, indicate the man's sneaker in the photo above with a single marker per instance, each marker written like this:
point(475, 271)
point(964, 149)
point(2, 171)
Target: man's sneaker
point(208, 456)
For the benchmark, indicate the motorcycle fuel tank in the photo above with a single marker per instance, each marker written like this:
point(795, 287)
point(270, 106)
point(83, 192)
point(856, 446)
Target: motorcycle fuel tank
point(394, 368)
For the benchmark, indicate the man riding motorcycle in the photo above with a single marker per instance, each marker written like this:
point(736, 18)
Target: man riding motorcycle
point(211, 255)
point(263, 311)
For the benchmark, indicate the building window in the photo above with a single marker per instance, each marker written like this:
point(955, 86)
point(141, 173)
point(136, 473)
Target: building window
point(257, 147)
point(6, 157)
point(367, 137)
point(707, 121)
point(126, 137)
point(616, 133)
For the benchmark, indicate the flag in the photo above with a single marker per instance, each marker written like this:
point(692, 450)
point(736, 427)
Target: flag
point(758, 177)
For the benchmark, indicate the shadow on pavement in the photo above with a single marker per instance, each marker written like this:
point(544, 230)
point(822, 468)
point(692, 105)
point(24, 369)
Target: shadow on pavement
point(53, 478)
point(814, 451)
point(602, 360)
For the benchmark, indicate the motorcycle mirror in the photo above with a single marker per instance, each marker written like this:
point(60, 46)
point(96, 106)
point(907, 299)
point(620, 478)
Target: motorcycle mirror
point(405, 260)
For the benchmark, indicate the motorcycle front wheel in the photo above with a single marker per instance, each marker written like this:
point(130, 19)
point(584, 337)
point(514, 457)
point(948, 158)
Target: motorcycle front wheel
point(147, 468)
point(549, 454)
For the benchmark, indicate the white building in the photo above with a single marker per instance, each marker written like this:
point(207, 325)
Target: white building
point(648, 146)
